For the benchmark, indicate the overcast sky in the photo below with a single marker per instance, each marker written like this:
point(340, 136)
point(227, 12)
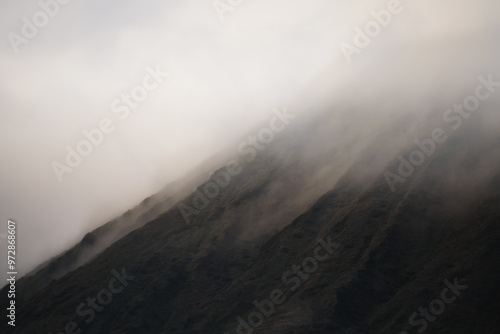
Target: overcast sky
point(224, 76)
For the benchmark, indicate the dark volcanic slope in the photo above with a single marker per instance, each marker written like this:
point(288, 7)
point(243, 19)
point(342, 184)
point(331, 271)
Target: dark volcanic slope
point(393, 253)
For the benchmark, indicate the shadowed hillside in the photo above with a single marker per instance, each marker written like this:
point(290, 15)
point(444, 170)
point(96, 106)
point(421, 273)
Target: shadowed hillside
point(384, 254)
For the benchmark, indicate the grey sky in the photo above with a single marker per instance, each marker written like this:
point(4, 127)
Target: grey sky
point(225, 76)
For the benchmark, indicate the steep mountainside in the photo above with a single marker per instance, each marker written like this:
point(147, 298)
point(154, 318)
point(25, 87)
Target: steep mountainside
point(308, 238)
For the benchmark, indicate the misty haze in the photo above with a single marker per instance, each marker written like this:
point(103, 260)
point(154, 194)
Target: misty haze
point(242, 167)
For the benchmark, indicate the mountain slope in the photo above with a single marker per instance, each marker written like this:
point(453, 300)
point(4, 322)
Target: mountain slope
point(391, 252)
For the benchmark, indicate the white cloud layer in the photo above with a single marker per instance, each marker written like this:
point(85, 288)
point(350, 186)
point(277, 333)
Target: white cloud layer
point(225, 77)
